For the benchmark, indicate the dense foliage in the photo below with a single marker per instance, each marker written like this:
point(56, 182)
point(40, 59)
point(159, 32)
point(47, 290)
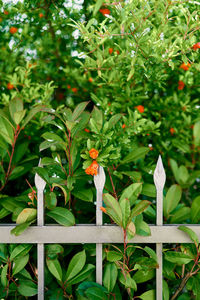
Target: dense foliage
point(89, 83)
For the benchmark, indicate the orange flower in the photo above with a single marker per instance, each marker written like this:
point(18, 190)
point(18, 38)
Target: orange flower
point(181, 85)
point(13, 30)
point(109, 104)
point(117, 51)
point(110, 50)
point(103, 209)
point(90, 79)
point(69, 86)
point(87, 130)
point(172, 130)
point(123, 126)
point(94, 153)
point(92, 169)
point(10, 86)
point(104, 11)
point(185, 67)
point(41, 15)
point(140, 108)
point(6, 12)
point(196, 46)
point(74, 89)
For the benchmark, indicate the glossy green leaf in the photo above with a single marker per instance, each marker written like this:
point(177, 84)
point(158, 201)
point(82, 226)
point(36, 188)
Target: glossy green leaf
point(135, 155)
point(62, 216)
point(140, 208)
point(4, 280)
point(113, 208)
point(19, 251)
point(78, 110)
point(126, 210)
point(149, 295)
point(114, 256)
point(195, 210)
point(191, 234)
point(196, 133)
point(19, 264)
point(27, 288)
point(95, 293)
point(55, 268)
point(178, 257)
point(19, 229)
point(76, 265)
point(172, 199)
point(131, 192)
point(110, 276)
point(27, 215)
point(86, 271)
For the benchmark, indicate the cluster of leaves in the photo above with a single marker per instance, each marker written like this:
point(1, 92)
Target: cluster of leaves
point(131, 92)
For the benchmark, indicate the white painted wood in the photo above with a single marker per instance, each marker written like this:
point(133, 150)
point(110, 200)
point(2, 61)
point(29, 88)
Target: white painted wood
point(159, 180)
point(40, 185)
point(92, 234)
point(99, 181)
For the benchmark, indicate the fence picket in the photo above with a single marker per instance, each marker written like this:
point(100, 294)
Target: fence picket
point(159, 180)
point(40, 185)
point(99, 181)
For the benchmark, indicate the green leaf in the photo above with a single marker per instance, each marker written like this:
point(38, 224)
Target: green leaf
point(172, 199)
point(50, 200)
point(165, 290)
point(88, 284)
point(142, 276)
point(182, 214)
point(110, 276)
point(191, 234)
point(27, 215)
point(139, 208)
point(114, 256)
point(52, 137)
point(4, 280)
point(131, 192)
point(31, 114)
point(19, 264)
point(83, 194)
point(78, 110)
point(55, 268)
point(42, 173)
point(131, 230)
point(178, 257)
point(52, 250)
point(149, 295)
point(195, 210)
point(174, 167)
point(6, 130)
point(62, 216)
point(18, 116)
point(17, 230)
point(3, 213)
point(20, 250)
point(114, 120)
point(15, 105)
point(196, 133)
point(151, 253)
point(87, 270)
point(126, 209)
point(95, 293)
point(63, 190)
point(135, 155)
point(149, 190)
point(113, 208)
point(97, 6)
point(27, 288)
point(76, 265)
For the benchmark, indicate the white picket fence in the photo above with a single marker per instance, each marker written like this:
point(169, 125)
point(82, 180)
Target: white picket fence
point(97, 234)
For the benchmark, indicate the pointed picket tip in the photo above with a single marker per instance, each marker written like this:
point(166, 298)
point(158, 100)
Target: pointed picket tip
point(39, 182)
point(159, 175)
point(99, 179)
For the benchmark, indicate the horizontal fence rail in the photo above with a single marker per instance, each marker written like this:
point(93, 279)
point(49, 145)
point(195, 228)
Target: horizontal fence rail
point(98, 233)
point(92, 234)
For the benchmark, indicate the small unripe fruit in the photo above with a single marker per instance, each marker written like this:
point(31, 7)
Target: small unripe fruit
point(10, 86)
point(13, 30)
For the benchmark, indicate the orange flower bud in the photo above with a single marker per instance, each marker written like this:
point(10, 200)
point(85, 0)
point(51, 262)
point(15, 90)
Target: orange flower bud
point(88, 171)
point(93, 153)
point(196, 46)
point(74, 89)
point(110, 50)
point(185, 67)
point(140, 108)
point(90, 79)
point(41, 15)
point(103, 209)
point(13, 30)
point(181, 85)
point(87, 130)
point(6, 12)
point(10, 86)
point(123, 126)
point(172, 131)
point(104, 11)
